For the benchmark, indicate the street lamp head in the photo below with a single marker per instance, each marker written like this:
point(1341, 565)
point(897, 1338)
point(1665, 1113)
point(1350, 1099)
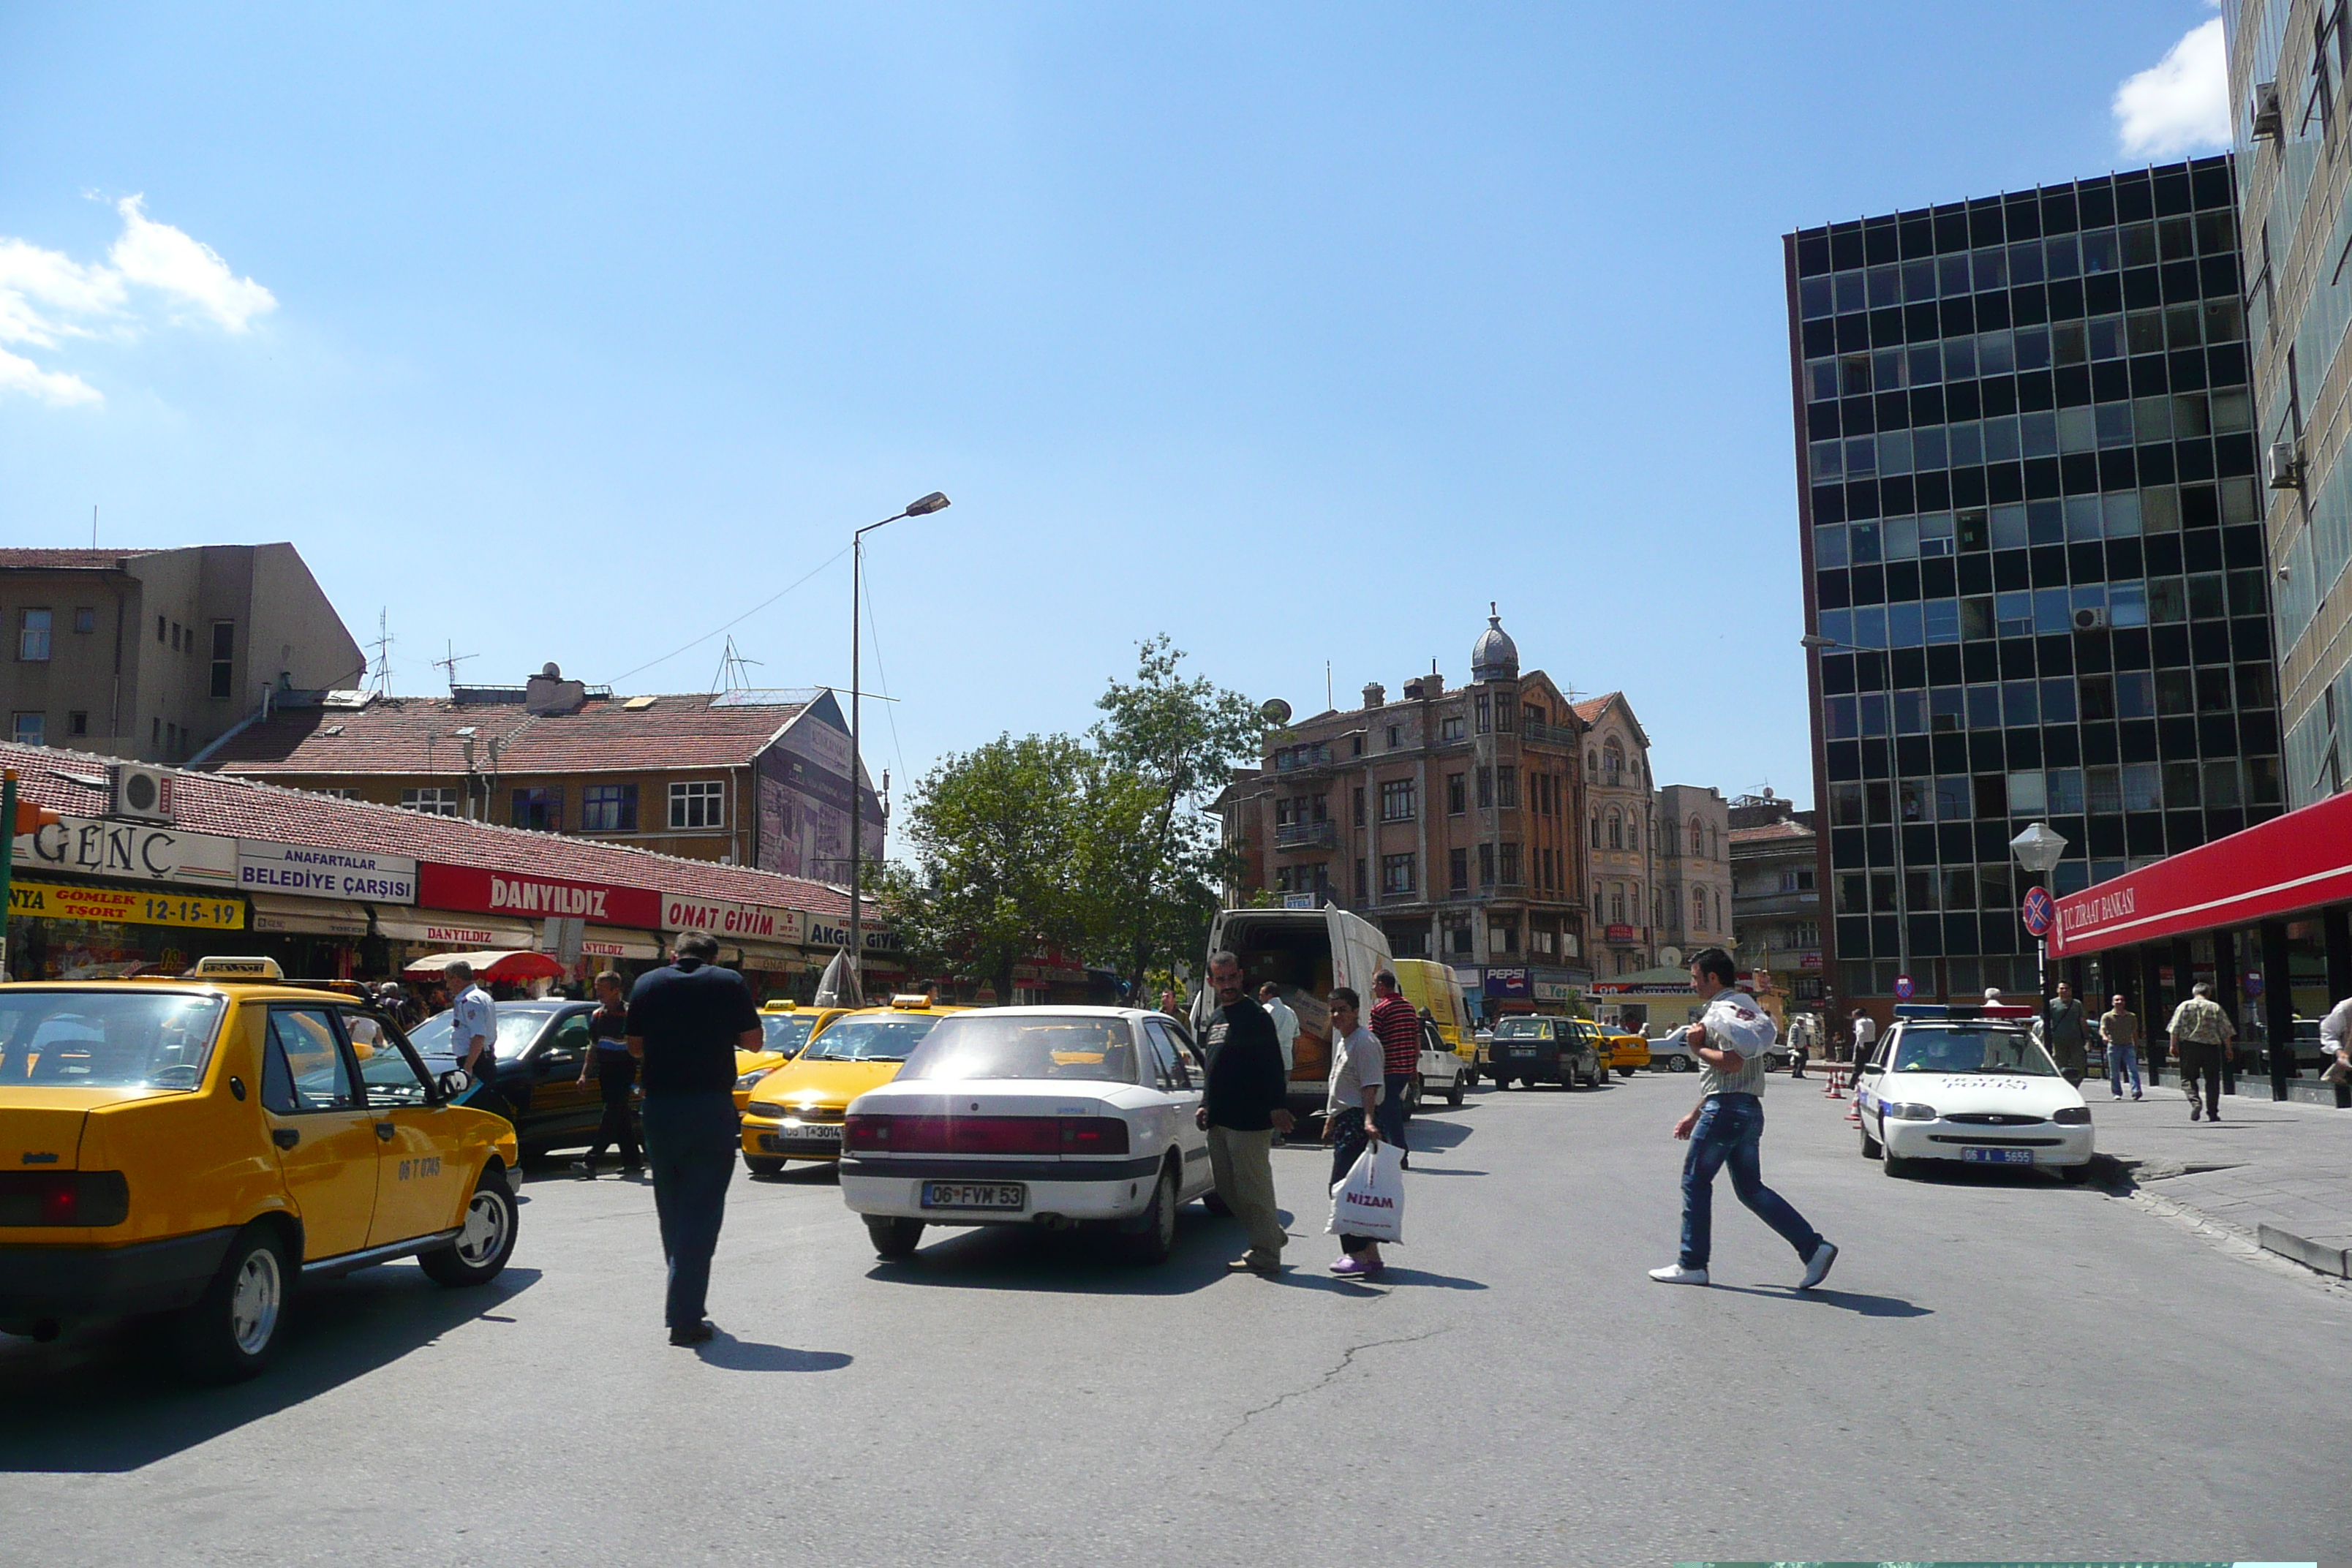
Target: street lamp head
point(2038, 848)
point(934, 502)
point(1815, 639)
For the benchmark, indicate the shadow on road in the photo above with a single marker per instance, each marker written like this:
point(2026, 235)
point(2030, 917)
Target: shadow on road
point(748, 1355)
point(820, 1173)
point(108, 1407)
point(1011, 1258)
point(1849, 1300)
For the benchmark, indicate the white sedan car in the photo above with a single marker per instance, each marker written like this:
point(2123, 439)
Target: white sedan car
point(1056, 1117)
point(1978, 1090)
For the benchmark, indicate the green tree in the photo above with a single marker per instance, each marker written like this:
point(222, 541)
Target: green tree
point(996, 842)
point(1166, 745)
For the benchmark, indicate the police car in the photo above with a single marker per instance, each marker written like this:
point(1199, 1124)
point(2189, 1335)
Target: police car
point(1971, 1085)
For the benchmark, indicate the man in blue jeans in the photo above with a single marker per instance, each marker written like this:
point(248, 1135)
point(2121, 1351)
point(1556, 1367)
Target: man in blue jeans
point(1726, 1128)
point(686, 1023)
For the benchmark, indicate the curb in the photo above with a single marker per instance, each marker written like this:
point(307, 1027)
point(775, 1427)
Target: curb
point(2336, 1261)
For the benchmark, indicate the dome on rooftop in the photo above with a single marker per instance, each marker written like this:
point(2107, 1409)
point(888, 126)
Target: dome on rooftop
point(1494, 657)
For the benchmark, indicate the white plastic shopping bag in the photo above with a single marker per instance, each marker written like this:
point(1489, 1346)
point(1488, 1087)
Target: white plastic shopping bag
point(1369, 1200)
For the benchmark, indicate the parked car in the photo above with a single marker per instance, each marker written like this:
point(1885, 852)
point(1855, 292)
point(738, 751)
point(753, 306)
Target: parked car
point(1976, 1091)
point(1671, 1052)
point(194, 1149)
point(787, 1028)
point(1629, 1053)
point(795, 1113)
point(1052, 1117)
point(540, 1048)
point(1530, 1048)
point(1443, 1071)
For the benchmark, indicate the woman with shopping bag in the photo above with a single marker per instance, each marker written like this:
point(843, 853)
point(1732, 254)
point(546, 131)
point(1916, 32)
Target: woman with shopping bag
point(1348, 1120)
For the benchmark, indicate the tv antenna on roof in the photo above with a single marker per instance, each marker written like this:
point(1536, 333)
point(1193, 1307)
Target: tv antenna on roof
point(380, 672)
point(449, 661)
point(732, 669)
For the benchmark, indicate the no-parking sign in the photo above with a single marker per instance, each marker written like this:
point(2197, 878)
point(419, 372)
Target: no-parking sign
point(1902, 987)
point(2040, 914)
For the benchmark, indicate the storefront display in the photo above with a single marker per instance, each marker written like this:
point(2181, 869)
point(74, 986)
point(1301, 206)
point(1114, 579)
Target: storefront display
point(67, 930)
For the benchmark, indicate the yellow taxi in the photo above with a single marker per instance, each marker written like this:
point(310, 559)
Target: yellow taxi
point(192, 1147)
point(1627, 1053)
point(788, 1028)
point(796, 1111)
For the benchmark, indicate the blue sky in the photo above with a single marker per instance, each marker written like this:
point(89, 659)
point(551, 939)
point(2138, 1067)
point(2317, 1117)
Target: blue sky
point(571, 332)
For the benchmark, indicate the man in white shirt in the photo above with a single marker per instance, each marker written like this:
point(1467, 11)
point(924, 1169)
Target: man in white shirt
point(474, 1038)
point(1285, 1023)
point(1349, 1103)
point(2336, 1042)
point(1865, 1035)
point(1726, 1128)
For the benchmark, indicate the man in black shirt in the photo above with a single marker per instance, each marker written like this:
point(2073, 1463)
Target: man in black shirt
point(1243, 1105)
point(686, 1023)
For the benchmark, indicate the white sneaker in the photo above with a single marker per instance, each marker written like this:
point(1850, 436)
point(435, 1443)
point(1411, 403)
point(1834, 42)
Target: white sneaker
point(1676, 1274)
point(1817, 1268)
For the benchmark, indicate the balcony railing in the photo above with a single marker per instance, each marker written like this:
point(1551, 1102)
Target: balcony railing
point(1307, 836)
point(1536, 734)
point(1746, 906)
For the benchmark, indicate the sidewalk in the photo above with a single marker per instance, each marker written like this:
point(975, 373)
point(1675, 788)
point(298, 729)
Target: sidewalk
point(2279, 1172)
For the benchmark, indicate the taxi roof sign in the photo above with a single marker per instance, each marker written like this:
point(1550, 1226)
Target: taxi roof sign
point(911, 999)
point(225, 968)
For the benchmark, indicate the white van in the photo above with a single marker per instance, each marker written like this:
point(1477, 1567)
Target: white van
point(1305, 952)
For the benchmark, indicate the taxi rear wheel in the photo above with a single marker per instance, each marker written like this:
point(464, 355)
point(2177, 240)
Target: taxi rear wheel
point(232, 1332)
point(484, 1242)
point(893, 1237)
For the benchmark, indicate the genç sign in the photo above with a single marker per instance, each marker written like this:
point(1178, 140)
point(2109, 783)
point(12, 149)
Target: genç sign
point(522, 896)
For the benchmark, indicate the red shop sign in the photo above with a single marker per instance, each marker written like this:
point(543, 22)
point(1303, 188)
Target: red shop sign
point(528, 897)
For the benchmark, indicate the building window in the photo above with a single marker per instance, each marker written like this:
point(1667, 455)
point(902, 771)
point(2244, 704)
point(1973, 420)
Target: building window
point(1358, 803)
point(1698, 909)
point(1506, 785)
point(1509, 869)
point(175, 637)
point(699, 803)
point(1450, 727)
point(1617, 905)
point(1485, 786)
point(1364, 888)
point(30, 728)
point(434, 800)
point(32, 636)
point(1486, 865)
point(1596, 830)
point(1536, 715)
point(1486, 707)
point(1458, 939)
point(163, 630)
point(342, 795)
point(1457, 863)
point(224, 658)
point(608, 808)
point(154, 733)
point(77, 722)
point(1396, 736)
point(541, 810)
point(1616, 830)
point(1457, 796)
point(1396, 874)
point(1396, 801)
point(85, 619)
point(1506, 715)
point(1505, 937)
point(1355, 745)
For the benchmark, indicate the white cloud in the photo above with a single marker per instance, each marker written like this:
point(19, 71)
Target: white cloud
point(20, 374)
point(47, 298)
point(2181, 103)
point(167, 261)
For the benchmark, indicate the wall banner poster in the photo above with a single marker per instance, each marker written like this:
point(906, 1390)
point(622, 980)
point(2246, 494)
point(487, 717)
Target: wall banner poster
point(123, 906)
point(525, 896)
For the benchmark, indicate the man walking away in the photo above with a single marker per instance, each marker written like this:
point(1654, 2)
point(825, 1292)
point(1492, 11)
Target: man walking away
point(2200, 1032)
point(1243, 1105)
point(1799, 1044)
point(1727, 1127)
point(616, 1074)
point(686, 1022)
point(2119, 1027)
point(1397, 1029)
point(2069, 1030)
point(1348, 1117)
point(1865, 1035)
point(1285, 1023)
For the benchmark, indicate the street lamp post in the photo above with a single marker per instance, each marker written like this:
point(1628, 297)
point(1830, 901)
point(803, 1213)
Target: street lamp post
point(1813, 642)
point(934, 502)
point(2038, 850)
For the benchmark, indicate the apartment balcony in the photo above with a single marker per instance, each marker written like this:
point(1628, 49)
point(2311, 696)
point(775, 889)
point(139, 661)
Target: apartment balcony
point(1559, 735)
point(1307, 836)
point(1746, 906)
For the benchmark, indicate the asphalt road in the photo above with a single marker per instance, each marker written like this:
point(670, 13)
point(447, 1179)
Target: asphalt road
point(1999, 1365)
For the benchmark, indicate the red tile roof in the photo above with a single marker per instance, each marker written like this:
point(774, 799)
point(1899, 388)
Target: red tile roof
point(418, 735)
point(68, 560)
point(209, 803)
point(1781, 829)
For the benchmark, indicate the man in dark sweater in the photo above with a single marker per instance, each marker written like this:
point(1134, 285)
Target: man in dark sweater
point(1243, 1106)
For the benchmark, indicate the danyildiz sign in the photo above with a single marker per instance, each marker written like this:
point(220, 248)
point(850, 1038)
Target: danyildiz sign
point(138, 851)
point(308, 872)
point(759, 922)
point(527, 896)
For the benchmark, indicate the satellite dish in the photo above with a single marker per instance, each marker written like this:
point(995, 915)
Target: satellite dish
point(1274, 711)
point(1672, 957)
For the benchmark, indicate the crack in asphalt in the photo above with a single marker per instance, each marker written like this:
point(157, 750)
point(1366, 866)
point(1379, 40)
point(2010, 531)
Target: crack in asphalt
point(1347, 1359)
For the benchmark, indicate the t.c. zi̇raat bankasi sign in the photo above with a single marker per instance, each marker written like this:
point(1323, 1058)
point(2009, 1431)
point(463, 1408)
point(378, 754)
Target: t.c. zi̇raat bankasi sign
point(528, 897)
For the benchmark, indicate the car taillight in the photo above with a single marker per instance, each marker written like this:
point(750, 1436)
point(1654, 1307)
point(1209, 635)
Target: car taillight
point(868, 1132)
point(1093, 1135)
point(882, 1135)
point(64, 1197)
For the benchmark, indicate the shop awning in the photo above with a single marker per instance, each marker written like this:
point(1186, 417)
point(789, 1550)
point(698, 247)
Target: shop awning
point(276, 913)
point(500, 966)
point(616, 941)
point(768, 958)
point(448, 931)
point(2281, 866)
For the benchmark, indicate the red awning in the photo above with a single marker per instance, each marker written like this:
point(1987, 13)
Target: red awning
point(2288, 864)
point(506, 967)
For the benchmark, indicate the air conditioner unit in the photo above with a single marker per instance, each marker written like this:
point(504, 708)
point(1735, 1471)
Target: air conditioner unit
point(142, 794)
point(2091, 618)
point(2269, 122)
point(2282, 466)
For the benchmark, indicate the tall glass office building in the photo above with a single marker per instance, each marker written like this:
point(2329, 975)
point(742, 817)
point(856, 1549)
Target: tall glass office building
point(2032, 533)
